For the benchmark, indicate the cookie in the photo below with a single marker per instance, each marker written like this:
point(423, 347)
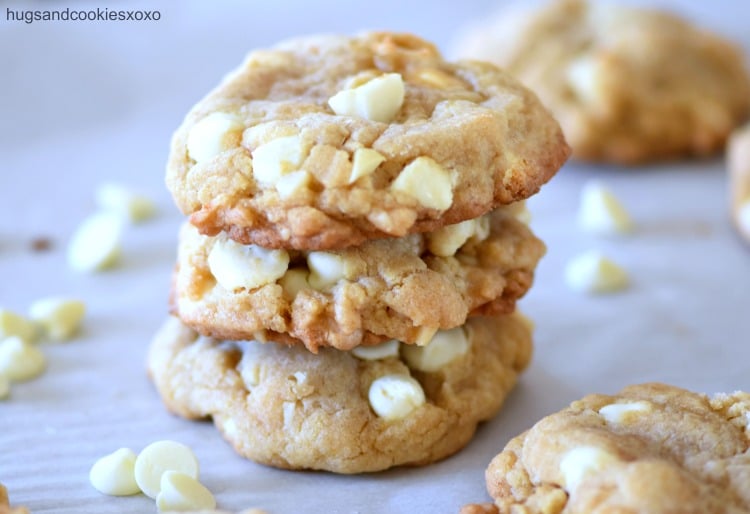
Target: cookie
point(327, 141)
point(405, 288)
point(5, 507)
point(652, 448)
point(628, 85)
point(738, 162)
point(346, 412)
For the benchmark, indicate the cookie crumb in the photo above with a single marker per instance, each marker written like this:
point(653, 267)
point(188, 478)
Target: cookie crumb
point(41, 244)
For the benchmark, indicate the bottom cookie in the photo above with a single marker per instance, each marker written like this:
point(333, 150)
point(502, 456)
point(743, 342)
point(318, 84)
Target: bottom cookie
point(347, 412)
point(651, 448)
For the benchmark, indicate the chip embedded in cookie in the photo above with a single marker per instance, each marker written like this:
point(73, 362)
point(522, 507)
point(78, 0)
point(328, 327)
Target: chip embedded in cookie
point(738, 162)
point(277, 405)
point(405, 288)
point(652, 448)
point(327, 141)
point(627, 84)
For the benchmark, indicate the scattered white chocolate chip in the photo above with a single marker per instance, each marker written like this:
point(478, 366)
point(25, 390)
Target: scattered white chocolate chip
point(95, 245)
point(427, 182)
point(294, 281)
point(378, 99)
point(161, 456)
point(114, 474)
point(581, 461)
point(445, 241)
point(395, 396)
point(292, 183)
point(59, 317)
point(12, 324)
point(591, 272)
point(380, 351)
point(622, 412)
point(600, 211)
point(236, 266)
point(183, 493)
point(4, 387)
point(278, 157)
point(125, 202)
point(445, 346)
point(212, 135)
point(20, 360)
point(365, 161)
point(325, 269)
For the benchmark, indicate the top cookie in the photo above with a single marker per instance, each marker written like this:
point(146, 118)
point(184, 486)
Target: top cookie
point(628, 85)
point(327, 141)
point(650, 449)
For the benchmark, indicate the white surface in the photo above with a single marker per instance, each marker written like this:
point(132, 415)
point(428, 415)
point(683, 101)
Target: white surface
point(82, 104)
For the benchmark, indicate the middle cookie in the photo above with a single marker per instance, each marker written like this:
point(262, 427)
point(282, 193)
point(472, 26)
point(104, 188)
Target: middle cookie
point(405, 288)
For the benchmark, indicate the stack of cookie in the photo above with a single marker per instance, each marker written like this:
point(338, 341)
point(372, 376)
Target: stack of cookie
point(359, 201)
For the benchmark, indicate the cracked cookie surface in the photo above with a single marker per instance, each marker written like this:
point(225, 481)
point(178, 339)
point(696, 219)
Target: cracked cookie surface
point(285, 407)
point(266, 158)
point(652, 448)
point(383, 289)
point(628, 85)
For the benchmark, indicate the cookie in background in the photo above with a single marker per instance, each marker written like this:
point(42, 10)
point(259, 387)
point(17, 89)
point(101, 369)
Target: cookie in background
point(628, 85)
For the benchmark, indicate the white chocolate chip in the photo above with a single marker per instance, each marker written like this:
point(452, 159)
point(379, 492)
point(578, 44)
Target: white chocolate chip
point(325, 269)
point(742, 218)
point(4, 387)
point(377, 100)
point(581, 461)
point(622, 412)
point(591, 272)
point(446, 346)
point(582, 75)
point(161, 456)
point(425, 334)
point(236, 266)
point(380, 351)
point(124, 202)
point(20, 360)
point(427, 182)
point(278, 157)
point(249, 370)
point(114, 474)
point(294, 281)
point(212, 135)
point(12, 324)
point(183, 493)
point(600, 211)
point(482, 228)
point(445, 241)
point(520, 211)
point(95, 245)
point(59, 317)
point(365, 161)
point(395, 396)
point(292, 183)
